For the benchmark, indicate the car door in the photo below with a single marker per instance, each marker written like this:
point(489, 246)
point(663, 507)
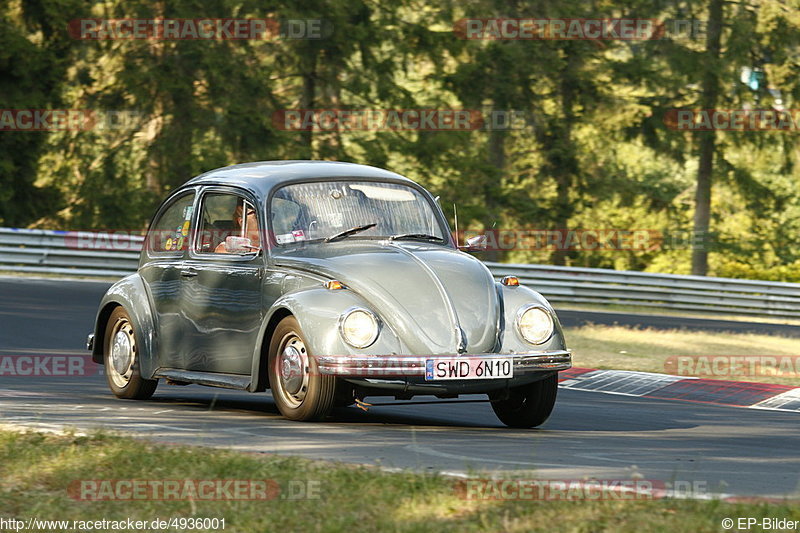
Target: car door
point(221, 295)
point(165, 252)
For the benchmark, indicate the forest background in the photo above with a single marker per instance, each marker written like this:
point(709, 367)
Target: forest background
point(593, 144)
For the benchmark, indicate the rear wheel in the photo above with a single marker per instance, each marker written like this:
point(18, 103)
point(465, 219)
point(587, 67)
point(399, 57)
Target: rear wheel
point(529, 405)
point(122, 361)
point(299, 390)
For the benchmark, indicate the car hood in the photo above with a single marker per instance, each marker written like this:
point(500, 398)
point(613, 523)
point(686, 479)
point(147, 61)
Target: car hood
point(427, 294)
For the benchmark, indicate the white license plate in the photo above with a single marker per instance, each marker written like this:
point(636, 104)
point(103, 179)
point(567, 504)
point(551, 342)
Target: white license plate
point(468, 368)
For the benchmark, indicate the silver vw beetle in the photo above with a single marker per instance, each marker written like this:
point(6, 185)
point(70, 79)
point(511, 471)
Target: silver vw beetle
point(325, 282)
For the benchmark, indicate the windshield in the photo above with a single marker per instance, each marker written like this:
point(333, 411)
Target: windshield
point(328, 210)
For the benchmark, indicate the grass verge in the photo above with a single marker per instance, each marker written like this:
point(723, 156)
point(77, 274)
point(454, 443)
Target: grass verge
point(650, 350)
point(37, 468)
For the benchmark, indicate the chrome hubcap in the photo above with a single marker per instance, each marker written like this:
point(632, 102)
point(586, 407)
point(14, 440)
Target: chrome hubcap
point(292, 370)
point(122, 353)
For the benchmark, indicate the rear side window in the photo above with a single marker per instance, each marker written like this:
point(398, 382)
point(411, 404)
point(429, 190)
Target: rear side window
point(170, 233)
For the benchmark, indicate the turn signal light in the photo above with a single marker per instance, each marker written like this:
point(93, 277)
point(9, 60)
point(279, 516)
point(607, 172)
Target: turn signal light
point(334, 285)
point(510, 281)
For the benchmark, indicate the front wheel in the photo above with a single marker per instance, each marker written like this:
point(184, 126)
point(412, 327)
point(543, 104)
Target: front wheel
point(299, 390)
point(121, 359)
point(529, 405)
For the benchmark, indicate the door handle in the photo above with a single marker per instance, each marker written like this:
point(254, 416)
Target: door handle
point(189, 273)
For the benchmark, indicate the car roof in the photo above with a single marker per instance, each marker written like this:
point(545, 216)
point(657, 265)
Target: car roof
point(262, 176)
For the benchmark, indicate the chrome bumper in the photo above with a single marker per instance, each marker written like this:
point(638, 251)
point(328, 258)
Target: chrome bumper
point(414, 365)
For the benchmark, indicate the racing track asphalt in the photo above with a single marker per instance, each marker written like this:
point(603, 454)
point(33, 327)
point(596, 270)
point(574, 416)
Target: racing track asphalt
point(733, 450)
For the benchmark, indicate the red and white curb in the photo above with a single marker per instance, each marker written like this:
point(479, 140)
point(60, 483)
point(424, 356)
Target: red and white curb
point(668, 387)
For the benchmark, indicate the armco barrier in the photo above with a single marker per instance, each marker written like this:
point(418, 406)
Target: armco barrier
point(61, 252)
point(663, 291)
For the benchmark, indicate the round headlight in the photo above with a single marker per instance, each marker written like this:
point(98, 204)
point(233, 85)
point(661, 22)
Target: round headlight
point(534, 324)
point(359, 328)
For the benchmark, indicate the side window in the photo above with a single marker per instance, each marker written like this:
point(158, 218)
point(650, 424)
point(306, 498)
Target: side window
point(224, 216)
point(170, 233)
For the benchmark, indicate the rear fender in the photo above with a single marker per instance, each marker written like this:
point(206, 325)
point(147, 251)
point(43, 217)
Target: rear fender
point(130, 293)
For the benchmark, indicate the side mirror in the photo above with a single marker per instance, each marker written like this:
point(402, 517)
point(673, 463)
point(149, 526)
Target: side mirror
point(239, 245)
point(478, 243)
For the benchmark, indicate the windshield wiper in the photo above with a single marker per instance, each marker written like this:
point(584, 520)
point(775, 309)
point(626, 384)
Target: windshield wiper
point(352, 231)
point(416, 237)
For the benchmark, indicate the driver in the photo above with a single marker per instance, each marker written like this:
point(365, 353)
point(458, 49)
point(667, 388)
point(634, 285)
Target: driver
point(250, 222)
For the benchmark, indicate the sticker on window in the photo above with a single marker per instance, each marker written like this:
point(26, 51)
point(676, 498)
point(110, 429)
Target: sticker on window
point(284, 238)
point(298, 235)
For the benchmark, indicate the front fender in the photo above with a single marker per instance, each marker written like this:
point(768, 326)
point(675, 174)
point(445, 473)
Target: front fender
point(513, 298)
point(317, 310)
point(130, 293)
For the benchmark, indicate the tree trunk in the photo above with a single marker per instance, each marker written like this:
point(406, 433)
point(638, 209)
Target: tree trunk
point(307, 102)
point(564, 160)
point(497, 157)
point(707, 144)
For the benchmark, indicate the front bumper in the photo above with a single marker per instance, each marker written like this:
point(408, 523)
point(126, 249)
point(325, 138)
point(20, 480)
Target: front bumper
point(393, 366)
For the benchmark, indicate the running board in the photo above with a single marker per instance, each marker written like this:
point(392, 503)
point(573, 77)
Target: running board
point(209, 379)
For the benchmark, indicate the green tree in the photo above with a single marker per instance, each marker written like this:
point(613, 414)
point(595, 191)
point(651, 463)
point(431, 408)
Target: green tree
point(35, 52)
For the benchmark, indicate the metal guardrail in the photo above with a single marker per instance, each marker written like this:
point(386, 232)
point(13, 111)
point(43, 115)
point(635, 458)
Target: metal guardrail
point(112, 255)
point(663, 291)
point(69, 252)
